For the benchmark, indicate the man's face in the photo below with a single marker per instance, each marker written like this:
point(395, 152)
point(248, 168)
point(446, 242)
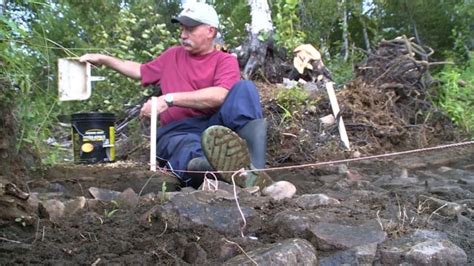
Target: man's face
point(198, 39)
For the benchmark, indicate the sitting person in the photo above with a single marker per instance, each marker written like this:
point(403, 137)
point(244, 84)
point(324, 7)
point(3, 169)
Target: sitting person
point(209, 118)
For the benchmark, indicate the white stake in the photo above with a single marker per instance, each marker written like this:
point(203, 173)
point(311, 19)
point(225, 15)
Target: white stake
point(154, 116)
point(335, 110)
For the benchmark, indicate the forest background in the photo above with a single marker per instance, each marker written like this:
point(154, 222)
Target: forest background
point(34, 34)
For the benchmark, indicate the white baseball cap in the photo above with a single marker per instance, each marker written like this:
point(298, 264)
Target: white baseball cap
point(196, 14)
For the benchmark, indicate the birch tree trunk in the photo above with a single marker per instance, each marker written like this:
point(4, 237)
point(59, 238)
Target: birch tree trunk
point(2, 6)
point(345, 32)
point(253, 52)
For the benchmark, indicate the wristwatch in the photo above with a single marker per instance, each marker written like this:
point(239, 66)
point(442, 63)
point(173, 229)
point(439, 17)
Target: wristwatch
point(169, 99)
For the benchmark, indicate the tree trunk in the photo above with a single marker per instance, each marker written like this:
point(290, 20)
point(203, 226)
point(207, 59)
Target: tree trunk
point(345, 32)
point(253, 52)
point(366, 36)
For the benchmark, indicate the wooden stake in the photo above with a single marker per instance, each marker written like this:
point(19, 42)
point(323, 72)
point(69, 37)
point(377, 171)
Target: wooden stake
point(335, 110)
point(154, 117)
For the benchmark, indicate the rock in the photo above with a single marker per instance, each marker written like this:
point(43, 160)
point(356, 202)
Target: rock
point(194, 254)
point(73, 206)
point(92, 204)
point(288, 252)
point(462, 176)
point(422, 247)
point(33, 201)
point(391, 183)
point(330, 178)
point(311, 201)
point(329, 237)
point(103, 194)
point(294, 223)
point(451, 192)
point(56, 187)
point(442, 207)
point(228, 250)
point(361, 255)
point(327, 120)
point(52, 209)
point(220, 185)
point(435, 252)
point(203, 208)
point(128, 199)
point(280, 190)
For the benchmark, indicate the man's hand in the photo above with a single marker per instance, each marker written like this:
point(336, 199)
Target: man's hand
point(95, 59)
point(146, 109)
point(128, 68)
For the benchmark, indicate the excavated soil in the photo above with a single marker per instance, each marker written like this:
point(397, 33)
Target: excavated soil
point(126, 237)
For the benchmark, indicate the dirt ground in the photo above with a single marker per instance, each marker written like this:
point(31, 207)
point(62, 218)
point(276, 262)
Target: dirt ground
point(91, 236)
point(380, 119)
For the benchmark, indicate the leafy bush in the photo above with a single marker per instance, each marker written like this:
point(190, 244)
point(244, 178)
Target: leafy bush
point(456, 96)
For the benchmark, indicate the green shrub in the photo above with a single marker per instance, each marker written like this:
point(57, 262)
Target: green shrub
point(456, 96)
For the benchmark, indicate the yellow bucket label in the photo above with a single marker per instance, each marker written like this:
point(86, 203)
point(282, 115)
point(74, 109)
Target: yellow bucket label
point(87, 147)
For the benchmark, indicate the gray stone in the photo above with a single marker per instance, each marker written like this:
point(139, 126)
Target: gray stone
point(52, 209)
point(361, 255)
point(288, 252)
point(194, 254)
point(330, 237)
point(294, 223)
point(442, 207)
point(33, 200)
point(56, 187)
point(398, 183)
point(422, 247)
point(128, 199)
point(450, 191)
point(220, 185)
point(311, 201)
point(330, 178)
point(103, 194)
point(73, 206)
point(280, 190)
point(461, 176)
point(203, 208)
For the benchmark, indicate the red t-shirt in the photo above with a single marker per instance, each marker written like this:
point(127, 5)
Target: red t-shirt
point(176, 70)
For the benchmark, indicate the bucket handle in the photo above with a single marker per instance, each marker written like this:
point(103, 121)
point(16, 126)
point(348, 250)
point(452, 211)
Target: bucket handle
point(82, 135)
point(96, 78)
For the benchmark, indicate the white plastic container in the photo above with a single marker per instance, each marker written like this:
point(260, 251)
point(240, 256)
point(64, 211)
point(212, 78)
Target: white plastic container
point(74, 79)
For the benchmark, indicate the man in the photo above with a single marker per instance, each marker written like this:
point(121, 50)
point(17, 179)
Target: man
point(209, 119)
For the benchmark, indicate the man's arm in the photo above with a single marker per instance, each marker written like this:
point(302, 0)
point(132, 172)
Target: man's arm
point(128, 68)
point(201, 99)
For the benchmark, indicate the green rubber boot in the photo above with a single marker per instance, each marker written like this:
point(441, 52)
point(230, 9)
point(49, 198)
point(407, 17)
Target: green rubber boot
point(226, 151)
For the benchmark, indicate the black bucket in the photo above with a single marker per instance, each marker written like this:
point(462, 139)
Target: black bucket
point(93, 137)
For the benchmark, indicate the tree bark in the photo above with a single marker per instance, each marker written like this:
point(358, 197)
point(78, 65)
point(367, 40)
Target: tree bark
point(253, 52)
point(366, 36)
point(345, 32)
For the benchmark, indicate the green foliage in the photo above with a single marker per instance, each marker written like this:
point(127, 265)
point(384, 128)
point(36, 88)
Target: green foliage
point(456, 96)
point(291, 101)
point(163, 192)
point(36, 33)
point(286, 20)
point(111, 212)
point(233, 14)
point(21, 220)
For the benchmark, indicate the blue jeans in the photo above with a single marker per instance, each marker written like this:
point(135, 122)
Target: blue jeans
point(180, 141)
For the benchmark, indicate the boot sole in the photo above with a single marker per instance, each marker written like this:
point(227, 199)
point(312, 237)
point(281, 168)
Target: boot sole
point(226, 151)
